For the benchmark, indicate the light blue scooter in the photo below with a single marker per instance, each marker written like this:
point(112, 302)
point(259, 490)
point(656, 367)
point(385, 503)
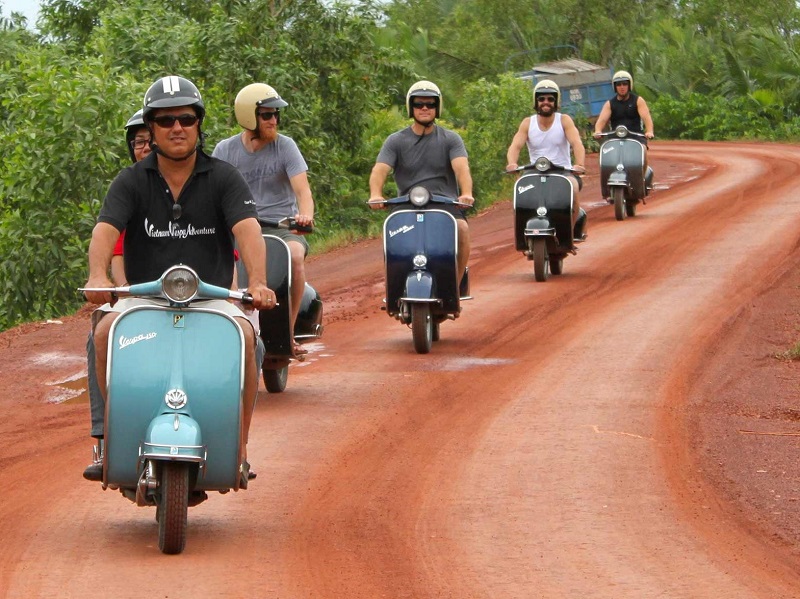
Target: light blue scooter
point(173, 419)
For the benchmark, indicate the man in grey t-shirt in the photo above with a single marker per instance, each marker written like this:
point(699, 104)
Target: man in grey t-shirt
point(429, 155)
point(276, 173)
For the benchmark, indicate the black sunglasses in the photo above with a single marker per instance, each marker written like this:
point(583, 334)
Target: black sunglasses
point(268, 116)
point(551, 99)
point(167, 121)
point(618, 83)
point(138, 144)
point(431, 105)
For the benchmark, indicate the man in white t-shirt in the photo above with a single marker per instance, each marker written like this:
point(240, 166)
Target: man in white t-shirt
point(276, 172)
point(551, 134)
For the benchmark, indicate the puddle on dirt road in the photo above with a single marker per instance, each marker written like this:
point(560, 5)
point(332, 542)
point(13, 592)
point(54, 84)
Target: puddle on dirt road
point(465, 363)
point(70, 391)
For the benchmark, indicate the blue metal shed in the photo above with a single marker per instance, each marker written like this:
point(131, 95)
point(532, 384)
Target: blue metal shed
point(585, 86)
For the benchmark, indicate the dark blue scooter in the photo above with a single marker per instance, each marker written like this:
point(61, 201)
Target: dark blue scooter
point(422, 288)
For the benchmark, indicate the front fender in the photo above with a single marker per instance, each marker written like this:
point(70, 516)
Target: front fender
point(419, 285)
point(618, 179)
point(538, 227)
point(173, 437)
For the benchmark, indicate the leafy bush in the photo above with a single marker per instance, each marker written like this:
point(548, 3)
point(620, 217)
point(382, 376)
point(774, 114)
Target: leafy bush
point(60, 153)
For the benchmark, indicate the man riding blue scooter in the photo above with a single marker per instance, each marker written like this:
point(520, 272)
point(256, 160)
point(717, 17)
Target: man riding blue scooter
point(178, 205)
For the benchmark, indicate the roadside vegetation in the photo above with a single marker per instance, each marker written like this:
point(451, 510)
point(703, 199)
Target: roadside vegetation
point(714, 70)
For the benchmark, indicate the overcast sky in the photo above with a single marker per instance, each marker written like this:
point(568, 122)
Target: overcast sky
point(29, 8)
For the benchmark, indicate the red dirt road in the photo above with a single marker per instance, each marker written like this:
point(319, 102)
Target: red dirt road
point(577, 438)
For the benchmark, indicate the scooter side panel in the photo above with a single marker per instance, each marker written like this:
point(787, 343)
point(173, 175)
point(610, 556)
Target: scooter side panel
point(629, 153)
point(551, 191)
point(434, 233)
point(155, 350)
point(309, 318)
point(275, 328)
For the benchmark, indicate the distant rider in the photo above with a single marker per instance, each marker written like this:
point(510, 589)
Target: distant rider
point(628, 109)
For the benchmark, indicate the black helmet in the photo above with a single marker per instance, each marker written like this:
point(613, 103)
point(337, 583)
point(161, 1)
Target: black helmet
point(172, 91)
point(134, 123)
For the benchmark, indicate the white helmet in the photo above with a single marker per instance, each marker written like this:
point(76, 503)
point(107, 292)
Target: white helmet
point(423, 89)
point(547, 86)
point(251, 97)
point(622, 76)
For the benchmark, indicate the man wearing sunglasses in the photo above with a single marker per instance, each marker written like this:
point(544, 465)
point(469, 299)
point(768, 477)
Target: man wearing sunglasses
point(552, 134)
point(429, 155)
point(178, 205)
point(277, 175)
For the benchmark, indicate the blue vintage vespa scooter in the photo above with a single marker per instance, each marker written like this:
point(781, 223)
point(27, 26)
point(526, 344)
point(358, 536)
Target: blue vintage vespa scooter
point(422, 288)
point(173, 420)
point(623, 180)
point(275, 326)
point(543, 229)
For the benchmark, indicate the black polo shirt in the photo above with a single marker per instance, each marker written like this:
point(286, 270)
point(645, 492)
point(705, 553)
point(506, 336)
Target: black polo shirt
point(213, 200)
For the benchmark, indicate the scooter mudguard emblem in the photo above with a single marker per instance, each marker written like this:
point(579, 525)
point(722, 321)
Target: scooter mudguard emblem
point(178, 320)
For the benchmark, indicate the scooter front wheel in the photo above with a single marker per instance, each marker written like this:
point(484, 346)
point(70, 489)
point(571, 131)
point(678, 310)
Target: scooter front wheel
point(540, 260)
point(173, 506)
point(422, 327)
point(618, 196)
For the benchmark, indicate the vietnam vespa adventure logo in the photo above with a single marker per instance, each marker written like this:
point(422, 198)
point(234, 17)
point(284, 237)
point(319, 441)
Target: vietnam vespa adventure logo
point(174, 230)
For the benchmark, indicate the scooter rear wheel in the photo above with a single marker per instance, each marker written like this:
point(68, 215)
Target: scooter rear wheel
point(618, 196)
point(275, 379)
point(556, 265)
point(422, 328)
point(630, 208)
point(173, 507)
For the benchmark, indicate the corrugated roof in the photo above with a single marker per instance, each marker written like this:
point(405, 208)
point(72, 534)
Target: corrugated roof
point(569, 65)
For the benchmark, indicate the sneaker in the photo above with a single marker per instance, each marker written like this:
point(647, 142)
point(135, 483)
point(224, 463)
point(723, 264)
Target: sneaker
point(94, 472)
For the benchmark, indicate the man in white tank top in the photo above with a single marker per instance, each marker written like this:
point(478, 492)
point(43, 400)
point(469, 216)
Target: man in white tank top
point(550, 134)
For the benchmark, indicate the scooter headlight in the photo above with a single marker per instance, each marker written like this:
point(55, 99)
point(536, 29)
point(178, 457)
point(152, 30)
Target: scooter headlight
point(621, 131)
point(419, 196)
point(541, 211)
point(180, 284)
point(542, 164)
point(420, 261)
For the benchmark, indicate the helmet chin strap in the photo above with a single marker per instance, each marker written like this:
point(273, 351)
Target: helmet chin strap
point(158, 150)
point(423, 125)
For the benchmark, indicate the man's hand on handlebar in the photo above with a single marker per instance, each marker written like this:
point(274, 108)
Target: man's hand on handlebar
point(376, 203)
point(263, 296)
point(304, 220)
